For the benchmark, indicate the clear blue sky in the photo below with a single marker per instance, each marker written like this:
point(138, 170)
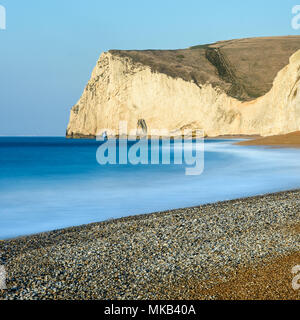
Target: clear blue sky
point(50, 47)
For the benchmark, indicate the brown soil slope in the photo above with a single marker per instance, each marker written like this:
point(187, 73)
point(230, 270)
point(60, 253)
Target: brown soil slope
point(244, 68)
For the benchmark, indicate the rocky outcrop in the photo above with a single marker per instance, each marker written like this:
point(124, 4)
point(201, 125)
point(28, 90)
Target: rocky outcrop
point(215, 96)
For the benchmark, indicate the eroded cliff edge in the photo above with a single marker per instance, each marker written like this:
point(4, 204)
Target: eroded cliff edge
point(238, 87)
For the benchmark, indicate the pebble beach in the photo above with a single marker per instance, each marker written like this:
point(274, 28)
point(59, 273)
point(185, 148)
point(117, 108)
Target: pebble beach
point(242, 249)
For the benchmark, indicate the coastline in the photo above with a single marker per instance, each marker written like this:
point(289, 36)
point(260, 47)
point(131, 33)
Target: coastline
point(290, 140)
point(177, 254)
point(231, 137)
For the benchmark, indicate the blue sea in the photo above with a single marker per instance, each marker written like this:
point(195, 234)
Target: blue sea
point(51, 183)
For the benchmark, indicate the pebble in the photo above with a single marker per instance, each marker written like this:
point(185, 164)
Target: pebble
point(142, 257)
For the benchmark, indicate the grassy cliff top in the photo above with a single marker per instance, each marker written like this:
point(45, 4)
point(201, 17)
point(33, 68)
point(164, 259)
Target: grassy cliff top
point(243, 68)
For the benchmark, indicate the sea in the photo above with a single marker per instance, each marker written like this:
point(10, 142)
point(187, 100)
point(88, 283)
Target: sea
point(49, 183)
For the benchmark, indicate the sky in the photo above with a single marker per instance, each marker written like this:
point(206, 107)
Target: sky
point(49, 47)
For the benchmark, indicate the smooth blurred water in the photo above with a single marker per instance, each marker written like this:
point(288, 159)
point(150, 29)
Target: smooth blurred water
point(51, 183)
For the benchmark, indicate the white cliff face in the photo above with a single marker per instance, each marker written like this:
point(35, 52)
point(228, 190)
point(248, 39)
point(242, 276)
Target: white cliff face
point(120, 90)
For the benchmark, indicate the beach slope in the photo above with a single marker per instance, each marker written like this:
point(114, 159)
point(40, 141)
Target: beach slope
point(248, 246)
point(291, 140)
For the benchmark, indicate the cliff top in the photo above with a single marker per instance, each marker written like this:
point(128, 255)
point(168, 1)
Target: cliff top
point(243, 68)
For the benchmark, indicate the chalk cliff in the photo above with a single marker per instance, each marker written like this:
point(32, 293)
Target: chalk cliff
point(247, 86)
